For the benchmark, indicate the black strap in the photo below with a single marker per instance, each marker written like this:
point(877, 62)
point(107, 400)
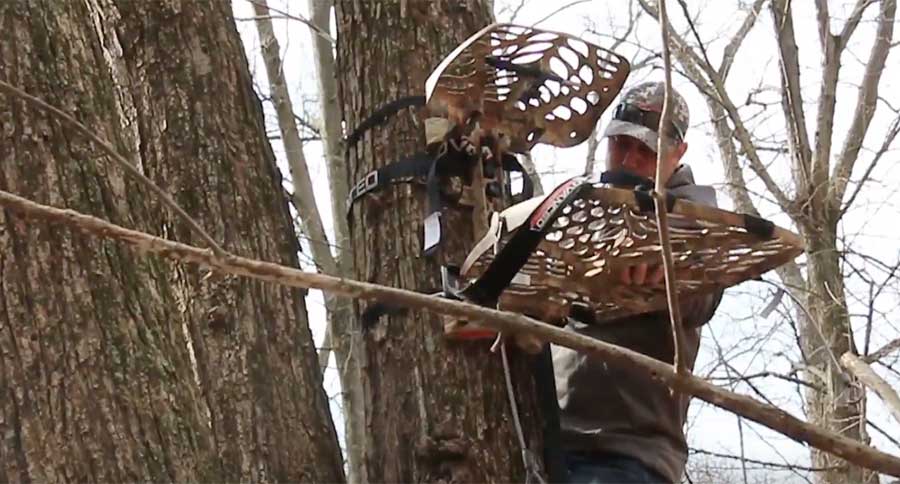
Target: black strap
point(496, 278)
point(380, 116)
point(545, 386)
point(759, 226)
point(404, 171)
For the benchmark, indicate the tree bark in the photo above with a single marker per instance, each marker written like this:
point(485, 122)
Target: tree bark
point(256, 359)
point(96, 380)
point(434, 410)
point(119, 369)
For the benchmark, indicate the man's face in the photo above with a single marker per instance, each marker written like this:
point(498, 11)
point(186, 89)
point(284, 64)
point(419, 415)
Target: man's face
point(632, 155)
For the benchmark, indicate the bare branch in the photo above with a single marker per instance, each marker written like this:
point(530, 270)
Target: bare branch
point(129, 167)
point(265, 16)
point(510, 323)
point(852, 22)
point(865, 105)
point(734, 44)
point(893, 130)
point(871, 379)
point(659, 194)
point(883, 351)
point(773, 465)
point(792, 101)
point(558, 10)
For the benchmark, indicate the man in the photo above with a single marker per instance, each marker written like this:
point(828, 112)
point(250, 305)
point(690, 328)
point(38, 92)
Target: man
point(617, 427)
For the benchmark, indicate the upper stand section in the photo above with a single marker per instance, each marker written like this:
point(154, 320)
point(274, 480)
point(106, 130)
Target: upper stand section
point(526, 86)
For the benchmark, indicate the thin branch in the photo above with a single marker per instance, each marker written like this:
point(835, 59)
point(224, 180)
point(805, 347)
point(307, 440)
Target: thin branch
point(883, 351)
point(763, 463)
point(509, 323)
point(865, 104)
point(315, 28)
point(303, 195)
point(852, 22)
point(871, 379)
point(792, 103)
point(124, 163)
point(728, 55)
point(662, 220)
point(893, 130)
point(558, 10)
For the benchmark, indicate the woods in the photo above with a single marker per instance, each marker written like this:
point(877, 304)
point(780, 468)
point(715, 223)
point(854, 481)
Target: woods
point(118, 365)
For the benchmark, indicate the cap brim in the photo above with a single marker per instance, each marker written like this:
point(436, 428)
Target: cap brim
point(624, 128)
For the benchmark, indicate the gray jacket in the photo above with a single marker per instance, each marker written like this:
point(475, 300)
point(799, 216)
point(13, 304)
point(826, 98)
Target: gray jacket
point(612, 410)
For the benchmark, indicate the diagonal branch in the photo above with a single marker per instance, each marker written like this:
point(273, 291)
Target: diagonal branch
point(865, 104)
point(728, 55)
point(792, 101)
point(889, 138)
point(645, 366)
point(864, 372)
point(852, 22)
point(127, 165)
point(315, 28)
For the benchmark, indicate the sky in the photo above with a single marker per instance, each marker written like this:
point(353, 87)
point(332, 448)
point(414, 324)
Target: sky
point(750, 342)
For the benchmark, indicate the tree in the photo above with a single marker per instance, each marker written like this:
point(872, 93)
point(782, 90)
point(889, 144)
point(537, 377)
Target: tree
point(121, 368)
point(433, 410)
point(817, 198)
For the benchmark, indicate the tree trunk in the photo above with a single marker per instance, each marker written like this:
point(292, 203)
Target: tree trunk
point(841, 407)
point(96, 380)
point(256, 357)
point(123, 369)
point(434, 410)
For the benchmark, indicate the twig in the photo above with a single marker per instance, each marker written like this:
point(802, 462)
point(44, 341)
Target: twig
point(871, 379)
point(128, 166)
point(558, 10)
point(763, 463)
point(883, 351)
point(315, 28)
point(767, 415)
point(662, 220)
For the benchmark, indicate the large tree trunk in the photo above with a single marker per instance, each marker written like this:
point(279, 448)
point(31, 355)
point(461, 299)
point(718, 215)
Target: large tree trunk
point(435, 411)
point(116, 368)
point(95, 375)
point(203, 136)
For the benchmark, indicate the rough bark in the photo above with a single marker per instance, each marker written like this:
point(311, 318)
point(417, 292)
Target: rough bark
point(121, 369)
point(434, 410)
point(255, 354)
point(96, 381)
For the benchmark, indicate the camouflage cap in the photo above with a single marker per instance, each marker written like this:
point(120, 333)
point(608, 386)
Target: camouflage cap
point(648, 97)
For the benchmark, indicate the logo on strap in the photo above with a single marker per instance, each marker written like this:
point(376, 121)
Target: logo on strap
point(548, 207)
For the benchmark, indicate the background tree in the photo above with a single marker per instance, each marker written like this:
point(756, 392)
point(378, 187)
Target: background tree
point(135, 368)
point(815, 199)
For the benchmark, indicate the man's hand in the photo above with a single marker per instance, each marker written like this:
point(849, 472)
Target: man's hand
point(642, 274)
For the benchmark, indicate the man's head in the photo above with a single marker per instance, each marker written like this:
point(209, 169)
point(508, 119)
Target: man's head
point(633, 136)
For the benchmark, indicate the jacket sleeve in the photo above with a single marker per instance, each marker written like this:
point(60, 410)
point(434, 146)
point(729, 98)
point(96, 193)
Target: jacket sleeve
point(699, 309)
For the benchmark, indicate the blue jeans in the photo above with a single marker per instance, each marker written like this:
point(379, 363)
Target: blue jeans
point(609, 469)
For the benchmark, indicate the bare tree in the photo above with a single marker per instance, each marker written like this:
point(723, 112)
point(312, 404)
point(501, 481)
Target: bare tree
point(817, 197)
